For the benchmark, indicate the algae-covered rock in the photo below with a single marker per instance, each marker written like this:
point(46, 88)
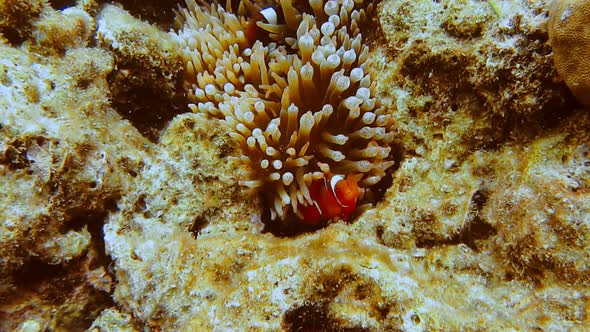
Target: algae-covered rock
point(59, 173)
point(344, 276)
point(111, 320)
point(56, 168)
point(482, 224)
point(58, 31)
point(542, 212)
point(147, 54)
point(17, 17)
point(457, 47)
point(144, 88)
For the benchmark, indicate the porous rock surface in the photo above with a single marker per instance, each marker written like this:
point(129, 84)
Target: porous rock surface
point(65, 158)
point(484, 225)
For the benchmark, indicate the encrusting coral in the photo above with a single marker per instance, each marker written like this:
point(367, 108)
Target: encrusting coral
point(466, 46)
point(149, 69)
point(302, 106)
point(136, 42)
point(570, 39)
point(59, 172)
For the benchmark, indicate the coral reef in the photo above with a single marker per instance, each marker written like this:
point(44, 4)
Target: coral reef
point(16, 21)
point(59, 171)
point(70, 176)
point(449, 47)
point(58, 31)
point(135, 42)
point(542, 214)
point(149, 69)
point(301, 107)
point(118, 219)
point(344, 276)
point(570, 40)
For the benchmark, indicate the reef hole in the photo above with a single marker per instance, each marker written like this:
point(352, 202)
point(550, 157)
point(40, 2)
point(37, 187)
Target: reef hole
point(51, 291)
point(62, 4)
point(292, 226)
point(201, 221)
point(315, 313)
point(309, 316)
point(146, 109)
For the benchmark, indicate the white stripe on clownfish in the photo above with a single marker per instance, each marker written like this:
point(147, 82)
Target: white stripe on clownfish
point(334, 180)
point(270, 14)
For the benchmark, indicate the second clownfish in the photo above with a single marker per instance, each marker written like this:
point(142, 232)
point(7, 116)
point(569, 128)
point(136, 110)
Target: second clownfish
point(253, 31)
point(333, 197)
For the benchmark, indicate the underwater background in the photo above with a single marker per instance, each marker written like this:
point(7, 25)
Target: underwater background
point(294, 165)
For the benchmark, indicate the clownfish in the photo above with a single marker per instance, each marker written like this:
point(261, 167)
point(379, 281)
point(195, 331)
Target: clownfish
point(333, 197)
point(253, 31)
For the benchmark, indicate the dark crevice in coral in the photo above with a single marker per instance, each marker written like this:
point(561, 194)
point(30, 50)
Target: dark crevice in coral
point(62, 4)
point(557, 110)
point(315, 313)
point(201, 221)
point(15, 156)
point(94, 222)
point(314, 316)
point(379, 231)
point(307, 317)
point(148, 110)
point(56, 293)
point(69, 295)
point(16, 23)
point(291, 226)
point(158, 12)
point(380, 188)
point(311, 316)
point(474, 230)
point(13, 35)
point(81, 217)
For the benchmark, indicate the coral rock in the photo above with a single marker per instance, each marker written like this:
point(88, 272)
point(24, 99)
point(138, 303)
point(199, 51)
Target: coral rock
point(17, 18)
point(570, 38)
point(134, 43)
point(465, 46)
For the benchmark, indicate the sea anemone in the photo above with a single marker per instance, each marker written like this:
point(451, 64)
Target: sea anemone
point(301, 104)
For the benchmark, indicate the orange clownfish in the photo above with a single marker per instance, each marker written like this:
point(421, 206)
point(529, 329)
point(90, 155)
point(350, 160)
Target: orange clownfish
point(253, 31)
point(333, 197)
